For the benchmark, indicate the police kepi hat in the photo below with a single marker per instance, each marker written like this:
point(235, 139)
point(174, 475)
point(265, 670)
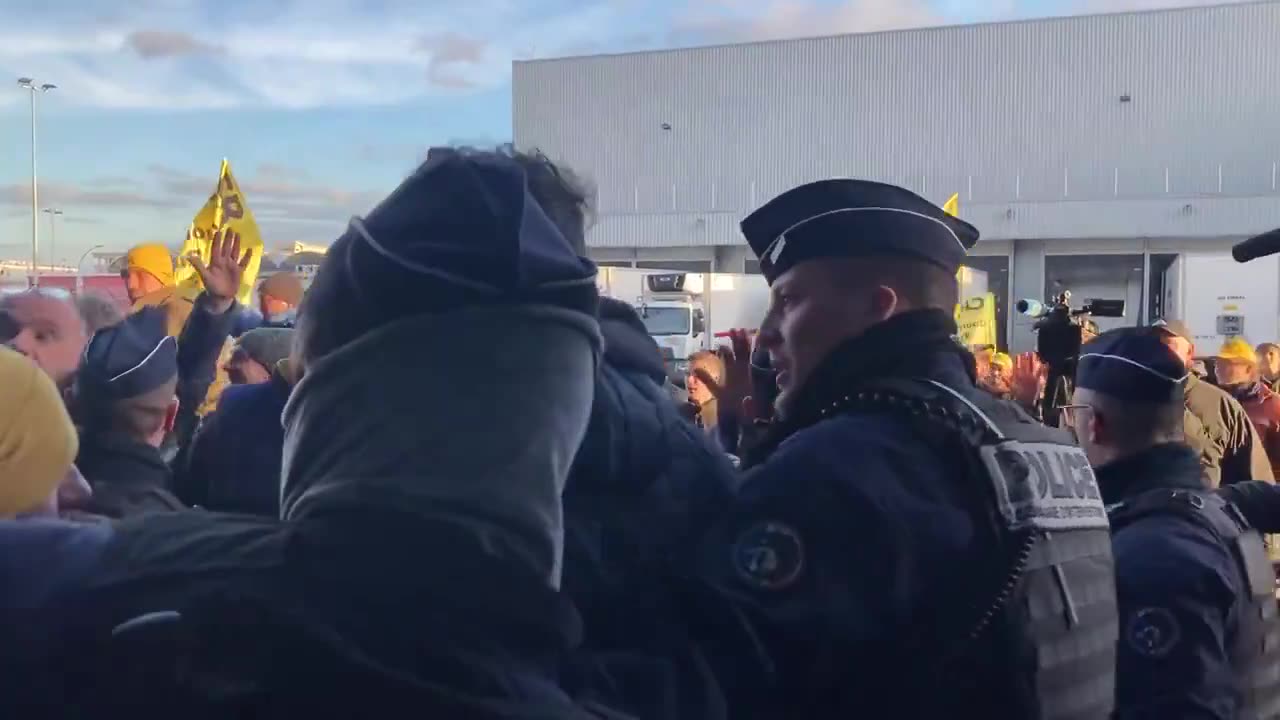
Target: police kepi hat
point(1131, 364)
point(854, 218)
point(129, 359)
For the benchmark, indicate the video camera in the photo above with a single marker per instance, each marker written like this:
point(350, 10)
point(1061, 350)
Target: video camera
point(1059, 335)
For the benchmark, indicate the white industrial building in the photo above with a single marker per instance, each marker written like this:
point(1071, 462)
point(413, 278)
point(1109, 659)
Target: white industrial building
point(1090, 151)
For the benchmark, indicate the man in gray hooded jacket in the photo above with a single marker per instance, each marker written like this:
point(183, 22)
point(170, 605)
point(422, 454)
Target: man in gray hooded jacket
point(416, 565)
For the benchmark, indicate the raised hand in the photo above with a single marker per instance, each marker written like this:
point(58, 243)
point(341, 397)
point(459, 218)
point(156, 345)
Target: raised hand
point(225, 271)
point(736, 387)
point(1028, 379)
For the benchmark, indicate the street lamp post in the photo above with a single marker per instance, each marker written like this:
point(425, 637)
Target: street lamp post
point(79, 264)
point(29, 84)
point(53, 214)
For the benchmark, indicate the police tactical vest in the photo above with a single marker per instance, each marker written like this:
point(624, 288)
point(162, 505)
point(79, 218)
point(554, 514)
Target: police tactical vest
point(1255, 647)
point(1049, 616)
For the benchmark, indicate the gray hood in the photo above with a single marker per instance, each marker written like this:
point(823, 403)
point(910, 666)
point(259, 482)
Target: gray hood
point(473, 415)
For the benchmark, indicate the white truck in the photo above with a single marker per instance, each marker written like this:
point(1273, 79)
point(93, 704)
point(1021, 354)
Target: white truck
point(1218, 298)
point(686, 312)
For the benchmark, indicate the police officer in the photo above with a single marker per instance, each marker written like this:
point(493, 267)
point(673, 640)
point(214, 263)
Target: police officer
point(125, 403)
point(904, 545)
point(1194, 585)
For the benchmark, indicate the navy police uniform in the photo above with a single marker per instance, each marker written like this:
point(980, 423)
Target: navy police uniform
point(903, 544)
point(125, 363)
point(1194, 585)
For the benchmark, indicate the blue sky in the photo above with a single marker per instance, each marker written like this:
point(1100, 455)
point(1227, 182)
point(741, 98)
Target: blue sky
point(323, 105)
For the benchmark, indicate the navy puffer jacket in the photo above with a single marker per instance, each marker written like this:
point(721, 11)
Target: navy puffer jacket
point(644, 482)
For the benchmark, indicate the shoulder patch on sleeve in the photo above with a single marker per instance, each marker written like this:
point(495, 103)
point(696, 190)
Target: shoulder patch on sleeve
point(1153, 632)
point(769, 556)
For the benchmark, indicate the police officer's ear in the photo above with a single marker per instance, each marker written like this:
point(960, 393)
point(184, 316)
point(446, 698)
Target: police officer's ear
point(171, 415)
point(884, 302)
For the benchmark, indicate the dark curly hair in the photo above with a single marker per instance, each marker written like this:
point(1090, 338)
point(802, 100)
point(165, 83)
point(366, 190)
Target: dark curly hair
point(563, 195)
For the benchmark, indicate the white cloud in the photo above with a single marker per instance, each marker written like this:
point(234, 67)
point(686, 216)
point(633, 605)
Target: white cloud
point(773, 19)
point(738, 20)
point(284, 53)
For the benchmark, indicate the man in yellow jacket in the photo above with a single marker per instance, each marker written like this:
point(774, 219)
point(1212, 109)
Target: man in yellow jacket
point(149, 280)
point(148, 277)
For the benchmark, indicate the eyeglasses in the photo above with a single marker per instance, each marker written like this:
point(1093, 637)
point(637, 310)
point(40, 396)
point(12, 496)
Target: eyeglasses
point(1070, 413)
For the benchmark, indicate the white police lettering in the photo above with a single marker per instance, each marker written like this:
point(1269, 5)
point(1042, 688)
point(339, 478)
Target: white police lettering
point(1044, 486)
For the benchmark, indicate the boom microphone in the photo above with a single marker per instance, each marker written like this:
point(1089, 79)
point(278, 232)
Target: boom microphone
point(1267, 243)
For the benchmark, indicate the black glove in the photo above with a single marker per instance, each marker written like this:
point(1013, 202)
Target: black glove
point(1258, 501)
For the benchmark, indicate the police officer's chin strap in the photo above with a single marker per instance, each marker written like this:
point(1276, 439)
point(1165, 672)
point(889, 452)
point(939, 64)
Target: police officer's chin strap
point(482, 435)
point(905, 345)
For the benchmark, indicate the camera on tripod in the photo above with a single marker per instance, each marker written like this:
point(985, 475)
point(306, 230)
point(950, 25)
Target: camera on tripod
point(1059, 335)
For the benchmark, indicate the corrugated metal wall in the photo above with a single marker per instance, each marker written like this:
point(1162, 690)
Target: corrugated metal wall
point(1006, 114)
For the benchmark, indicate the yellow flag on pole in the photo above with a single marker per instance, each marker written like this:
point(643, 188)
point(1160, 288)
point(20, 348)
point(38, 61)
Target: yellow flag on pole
point(225, 209)
point(952, 205)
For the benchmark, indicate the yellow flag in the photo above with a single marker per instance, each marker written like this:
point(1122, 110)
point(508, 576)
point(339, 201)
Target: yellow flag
point(225, 209)
point(952, 205)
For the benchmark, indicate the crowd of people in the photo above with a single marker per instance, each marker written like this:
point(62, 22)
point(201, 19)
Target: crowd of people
point(314, 507)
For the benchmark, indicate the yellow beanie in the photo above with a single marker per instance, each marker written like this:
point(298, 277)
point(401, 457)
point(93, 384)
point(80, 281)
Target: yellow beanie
point(153, 258)
point(1002, 360)
point(1238, 349)
point(38, 443)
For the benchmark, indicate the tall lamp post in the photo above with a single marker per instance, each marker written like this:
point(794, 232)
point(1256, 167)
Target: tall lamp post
point(53, 214)
point(27, 83)
point(79, 264)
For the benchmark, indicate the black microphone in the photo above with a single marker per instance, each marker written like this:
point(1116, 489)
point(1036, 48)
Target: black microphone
point(1267, 243)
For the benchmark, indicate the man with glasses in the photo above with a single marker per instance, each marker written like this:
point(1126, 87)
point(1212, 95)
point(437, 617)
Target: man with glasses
point(1193, 581)
point(45, 325)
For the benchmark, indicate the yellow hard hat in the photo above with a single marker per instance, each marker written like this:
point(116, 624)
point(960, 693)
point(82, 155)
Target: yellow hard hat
point(1003, 360)
point(1238, 349)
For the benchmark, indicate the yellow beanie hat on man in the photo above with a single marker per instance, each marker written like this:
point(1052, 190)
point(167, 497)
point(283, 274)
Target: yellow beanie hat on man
point(154, 258)
point(38, 443)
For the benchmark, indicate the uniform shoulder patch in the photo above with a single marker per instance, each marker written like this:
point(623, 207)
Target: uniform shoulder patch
point(769, 556)
point(1153, 632)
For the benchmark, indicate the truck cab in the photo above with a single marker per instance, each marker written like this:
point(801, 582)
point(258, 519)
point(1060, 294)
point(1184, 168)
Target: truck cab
point(671, 308)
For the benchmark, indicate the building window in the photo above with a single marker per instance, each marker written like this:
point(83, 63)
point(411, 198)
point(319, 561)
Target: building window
point(752, 266)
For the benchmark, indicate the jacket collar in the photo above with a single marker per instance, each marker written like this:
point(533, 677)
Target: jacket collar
point(1165, 466)
point(120, 460)
point(915, 344)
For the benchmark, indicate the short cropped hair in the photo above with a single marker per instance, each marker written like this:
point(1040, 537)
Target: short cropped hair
point(920, 284)
point(1136, 426)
